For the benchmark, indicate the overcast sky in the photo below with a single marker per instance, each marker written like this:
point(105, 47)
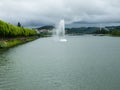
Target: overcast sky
point(40, 12)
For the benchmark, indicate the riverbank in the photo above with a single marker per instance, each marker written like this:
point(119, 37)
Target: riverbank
point(7, 43)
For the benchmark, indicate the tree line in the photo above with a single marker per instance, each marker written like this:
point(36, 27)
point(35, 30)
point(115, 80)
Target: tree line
point(115, 32)
point(9, 30)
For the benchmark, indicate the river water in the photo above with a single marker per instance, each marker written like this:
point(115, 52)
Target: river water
point(82, 63)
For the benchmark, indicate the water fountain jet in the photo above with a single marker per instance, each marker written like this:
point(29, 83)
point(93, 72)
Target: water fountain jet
point(60, 31)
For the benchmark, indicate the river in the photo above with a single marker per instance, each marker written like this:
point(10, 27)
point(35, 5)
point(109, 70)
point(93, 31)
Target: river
point(82, 63)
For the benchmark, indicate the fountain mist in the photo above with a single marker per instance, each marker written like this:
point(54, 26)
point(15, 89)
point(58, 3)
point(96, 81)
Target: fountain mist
point(60, 31)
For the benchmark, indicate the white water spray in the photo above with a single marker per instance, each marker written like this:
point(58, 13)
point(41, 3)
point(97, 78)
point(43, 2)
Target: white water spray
point(60, 31)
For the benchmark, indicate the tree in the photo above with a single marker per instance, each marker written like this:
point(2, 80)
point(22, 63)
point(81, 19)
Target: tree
point(9, 30)
point(19, 24)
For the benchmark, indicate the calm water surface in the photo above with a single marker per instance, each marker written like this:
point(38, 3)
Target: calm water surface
point(83, 63)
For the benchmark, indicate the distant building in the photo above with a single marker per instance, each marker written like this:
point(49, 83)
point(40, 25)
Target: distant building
point(45, 31)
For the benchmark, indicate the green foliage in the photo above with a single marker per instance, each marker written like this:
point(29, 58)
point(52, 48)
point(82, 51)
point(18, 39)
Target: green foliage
point(115, 32)
point(19, 24)
point(101, 32)
point(9, 30)
point(45, 34)
point(3, 44)
point(14, 42)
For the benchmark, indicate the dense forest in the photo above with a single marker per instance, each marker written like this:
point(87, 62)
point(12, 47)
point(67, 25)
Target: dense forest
point(9, 30)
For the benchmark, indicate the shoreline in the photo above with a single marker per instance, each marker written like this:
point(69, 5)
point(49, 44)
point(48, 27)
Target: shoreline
point(8, 43)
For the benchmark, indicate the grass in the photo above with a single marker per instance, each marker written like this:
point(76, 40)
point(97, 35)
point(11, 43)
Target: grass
point(14, 42)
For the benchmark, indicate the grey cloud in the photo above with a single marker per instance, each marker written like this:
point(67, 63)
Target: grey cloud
point(51, 11)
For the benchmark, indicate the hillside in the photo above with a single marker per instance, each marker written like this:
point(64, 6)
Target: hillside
point(9, 30)
point(47, 27)
point(11, 35)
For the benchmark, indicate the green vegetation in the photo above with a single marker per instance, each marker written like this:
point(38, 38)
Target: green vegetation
point(3, 44)
point(11, 35)
point(115, 32)
point(19, 24)
point(9, 30)
point(14, 42)
point(111, 30)
point(45, 34)
point(102, 31)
